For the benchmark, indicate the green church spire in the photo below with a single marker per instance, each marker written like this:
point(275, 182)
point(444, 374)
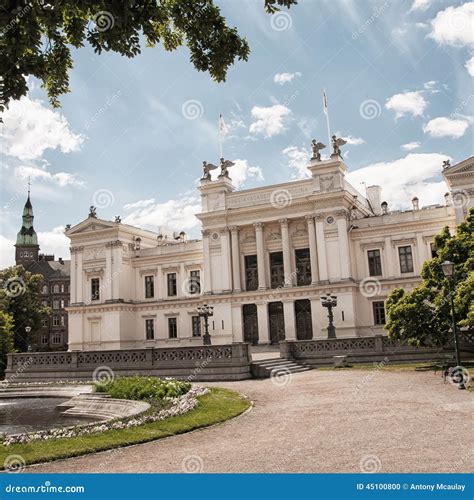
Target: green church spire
point(27, 234)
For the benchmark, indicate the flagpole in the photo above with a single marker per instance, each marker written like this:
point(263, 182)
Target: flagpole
point(326, 112)
point(220, 137)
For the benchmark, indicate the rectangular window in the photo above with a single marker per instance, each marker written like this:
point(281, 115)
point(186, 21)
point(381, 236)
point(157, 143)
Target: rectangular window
point(63, 320)
point(95, 289)
point(56, 338)
point(150, 329)
point(375, 263)
point(251, 272)
point(379, 312)
point(196, 326)
point(55, 320)
point(172, 289)
point(277, 274)
point(434, 253)
point(44, 323)
point(56, 304)
point(149, 287)
point(173, 328)
point(195, 282)
point(44, 339)
point(406, 259)
point(303, 267)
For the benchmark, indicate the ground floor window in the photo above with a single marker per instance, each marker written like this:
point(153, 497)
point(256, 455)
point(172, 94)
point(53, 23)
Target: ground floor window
point(56, 339)
point(303, 320)
point(379, 312)
point(250, 320)
point(173, 328)
point(150, 329)
point(196, 326)
point(44, 339)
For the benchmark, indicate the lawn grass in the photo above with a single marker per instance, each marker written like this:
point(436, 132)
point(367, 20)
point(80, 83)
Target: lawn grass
point(216, 406)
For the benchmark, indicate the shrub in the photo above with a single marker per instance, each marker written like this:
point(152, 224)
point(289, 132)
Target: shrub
point(151, 389)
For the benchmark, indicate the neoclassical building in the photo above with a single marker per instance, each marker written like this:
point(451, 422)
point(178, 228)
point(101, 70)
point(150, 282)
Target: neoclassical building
point(266, 257)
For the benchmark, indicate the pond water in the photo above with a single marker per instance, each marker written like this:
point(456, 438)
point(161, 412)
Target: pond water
point(33, 414)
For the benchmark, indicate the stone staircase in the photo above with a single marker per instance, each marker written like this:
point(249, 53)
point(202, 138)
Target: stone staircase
point(266, 368)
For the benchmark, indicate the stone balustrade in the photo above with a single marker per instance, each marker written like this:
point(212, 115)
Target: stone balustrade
point(199, 363)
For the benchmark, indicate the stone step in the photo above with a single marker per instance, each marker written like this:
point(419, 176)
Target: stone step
point(267, 368)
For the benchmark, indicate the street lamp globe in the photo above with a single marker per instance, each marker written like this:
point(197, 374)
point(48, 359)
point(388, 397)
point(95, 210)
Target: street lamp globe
point(28, 329)
point(448, 268)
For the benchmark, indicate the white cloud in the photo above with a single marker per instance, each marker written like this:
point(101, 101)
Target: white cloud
point(269, 121)
point(283, 78)
point(453, 26)
point(407, 103)
point(298, 161)
point(54, 242)
point(7, 252)
point(351, 140)
point(62, 179)
point(416, 174)
point(446, 127)
point(139, 204)
point(411, 145)
point(470, 66)
point(30, 128)
point(241, 171)
point(175, 215)
point(420, 5)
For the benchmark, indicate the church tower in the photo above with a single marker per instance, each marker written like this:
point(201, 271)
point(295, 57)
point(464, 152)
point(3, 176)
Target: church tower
point(27, 248)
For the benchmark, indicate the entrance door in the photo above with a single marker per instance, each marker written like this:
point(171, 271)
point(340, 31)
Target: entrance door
point(250, 324)
point(276, 321)
point(304, 326)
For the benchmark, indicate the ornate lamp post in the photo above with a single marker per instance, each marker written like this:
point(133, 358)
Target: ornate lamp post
point(205, 312)
point(448, 271)
point(28, 330)
point(330, 301)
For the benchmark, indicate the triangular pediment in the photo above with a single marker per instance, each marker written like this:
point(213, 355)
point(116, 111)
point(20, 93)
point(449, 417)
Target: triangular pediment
point(91, 224)
point(464, 167)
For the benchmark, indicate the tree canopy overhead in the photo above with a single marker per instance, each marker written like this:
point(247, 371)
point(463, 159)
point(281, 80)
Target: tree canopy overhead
point(36, 36)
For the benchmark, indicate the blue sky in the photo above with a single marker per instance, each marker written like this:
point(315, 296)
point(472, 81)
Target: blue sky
point(131, 136)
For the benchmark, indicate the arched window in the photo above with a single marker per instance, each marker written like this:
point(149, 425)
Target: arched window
point(56, 289)
point(45, 289)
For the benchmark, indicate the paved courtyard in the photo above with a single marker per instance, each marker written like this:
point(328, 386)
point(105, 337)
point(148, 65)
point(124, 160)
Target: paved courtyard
point(319, 421)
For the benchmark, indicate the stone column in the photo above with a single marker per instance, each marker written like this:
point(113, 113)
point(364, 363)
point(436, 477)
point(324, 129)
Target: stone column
point(72, 285)
point(419, 252)
point(225, 256)
point(108, 272)
point(285, 242)
point(344, 255)
point(116, 269)
point(289, 313)
point(262, 281)
point(234, 232)
point(207, 285)
point(262, 318)
point(313, 254)
point(79, 275)
point(318, 319)
point(321, 246)
point(388, 261)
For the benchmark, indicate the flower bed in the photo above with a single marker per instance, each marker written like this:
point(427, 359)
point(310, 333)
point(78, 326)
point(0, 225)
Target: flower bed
point(177, 406)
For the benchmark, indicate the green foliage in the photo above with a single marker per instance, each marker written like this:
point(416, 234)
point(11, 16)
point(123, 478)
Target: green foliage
point(6, 339)
point(20, 298)
point(423, 315)
point(149, 389)
point(36, 37)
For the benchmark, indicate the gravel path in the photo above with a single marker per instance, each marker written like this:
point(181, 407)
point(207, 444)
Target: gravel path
point(320, 421)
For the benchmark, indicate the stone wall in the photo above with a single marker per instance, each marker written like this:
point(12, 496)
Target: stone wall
point(223, 362)
point(363, 350)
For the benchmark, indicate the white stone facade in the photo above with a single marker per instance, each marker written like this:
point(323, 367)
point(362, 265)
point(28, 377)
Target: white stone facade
point(265, 258)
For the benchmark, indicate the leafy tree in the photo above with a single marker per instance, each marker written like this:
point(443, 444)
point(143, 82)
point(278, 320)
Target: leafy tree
point(20, 298)
point(6, 339)
point(36, 36)
point(423, 315)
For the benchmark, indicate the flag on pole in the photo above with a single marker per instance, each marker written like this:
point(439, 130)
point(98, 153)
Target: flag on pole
point(222, 126)
point(325, 103)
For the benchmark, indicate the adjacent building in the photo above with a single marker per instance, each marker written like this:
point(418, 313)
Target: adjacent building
point(266, 257)
point(53, 334)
